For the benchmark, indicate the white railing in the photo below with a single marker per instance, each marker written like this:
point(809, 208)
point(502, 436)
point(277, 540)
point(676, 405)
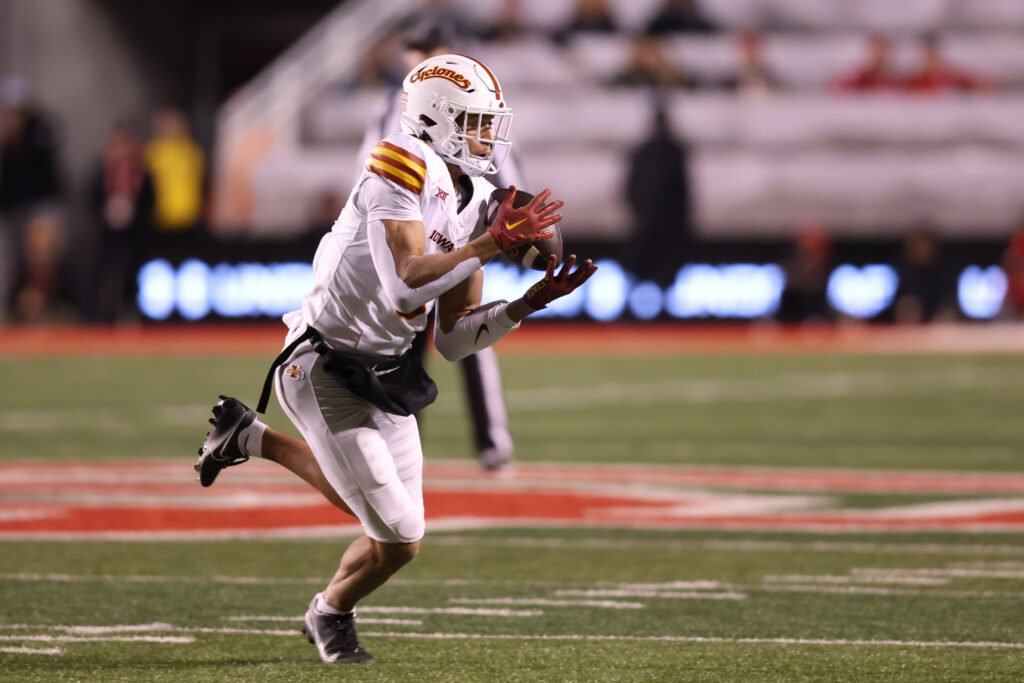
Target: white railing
point(263, 116)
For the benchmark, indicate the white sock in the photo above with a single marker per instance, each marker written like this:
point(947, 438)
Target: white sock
point(324, 608)
point(250, 439)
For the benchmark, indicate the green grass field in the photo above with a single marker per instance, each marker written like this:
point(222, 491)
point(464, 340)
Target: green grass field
point(568, 604)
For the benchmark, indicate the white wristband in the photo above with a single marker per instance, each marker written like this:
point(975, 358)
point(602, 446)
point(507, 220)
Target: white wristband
point(478, 330)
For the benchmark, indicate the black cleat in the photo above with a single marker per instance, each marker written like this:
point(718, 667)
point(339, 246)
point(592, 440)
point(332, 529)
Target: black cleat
point(335, 636)
point(221, 449)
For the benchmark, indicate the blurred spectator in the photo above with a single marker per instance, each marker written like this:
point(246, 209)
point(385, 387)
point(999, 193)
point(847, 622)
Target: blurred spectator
point(875, 74)
point(935, 75)
point(378, 67)
point(29, 182)
point(680, 16)
point(658, 194)
point(177, 166)
point(42, 293)
point(804, 298)
point(753, 76)
point(122, 198)
point(1013, 265)
point(925, 286)
point(590, 16)
point(650, 66)
point(509, 26)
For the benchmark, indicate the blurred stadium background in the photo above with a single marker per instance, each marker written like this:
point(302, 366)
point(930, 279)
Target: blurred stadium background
point(776, 437)
point(827, 161)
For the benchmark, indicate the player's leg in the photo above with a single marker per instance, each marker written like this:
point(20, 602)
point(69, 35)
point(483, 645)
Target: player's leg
point(237, 435)
point(391, 513)
point(296, 456)
point(345, 436)
point(367, 563)
point(365, 566)
point(485, 396)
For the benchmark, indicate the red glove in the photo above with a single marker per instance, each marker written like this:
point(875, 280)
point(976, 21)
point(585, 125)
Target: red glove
point(555, 286)
point(512, 227)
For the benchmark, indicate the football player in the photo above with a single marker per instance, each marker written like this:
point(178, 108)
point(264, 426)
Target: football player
point(346, 377)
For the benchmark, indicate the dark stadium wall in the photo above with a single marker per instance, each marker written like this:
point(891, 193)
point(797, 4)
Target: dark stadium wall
point(79, 71)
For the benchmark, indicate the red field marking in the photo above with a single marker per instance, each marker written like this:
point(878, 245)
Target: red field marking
point(756, 478)
point(160, 499)
point(571, 338)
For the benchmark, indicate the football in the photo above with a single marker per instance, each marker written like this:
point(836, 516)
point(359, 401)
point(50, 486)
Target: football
point(532, 254)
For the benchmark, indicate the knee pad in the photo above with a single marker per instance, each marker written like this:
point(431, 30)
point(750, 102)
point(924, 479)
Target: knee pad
point(395, 517)
point(409, 527)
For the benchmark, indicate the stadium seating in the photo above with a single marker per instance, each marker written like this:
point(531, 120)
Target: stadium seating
point(865, 164)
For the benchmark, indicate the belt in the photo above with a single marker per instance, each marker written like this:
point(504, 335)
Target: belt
point(309, 335)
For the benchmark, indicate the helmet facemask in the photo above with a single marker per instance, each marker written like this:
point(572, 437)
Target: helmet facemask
point(485, 127)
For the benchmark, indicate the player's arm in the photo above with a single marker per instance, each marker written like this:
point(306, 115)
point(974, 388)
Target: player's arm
point(411, 278)
point(407, 239)
point(464, 327)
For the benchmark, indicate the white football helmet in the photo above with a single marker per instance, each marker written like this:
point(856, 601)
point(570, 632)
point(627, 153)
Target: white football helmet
point(447, 101)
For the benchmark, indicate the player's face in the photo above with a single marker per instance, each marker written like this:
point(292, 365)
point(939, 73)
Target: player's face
point(478, 131)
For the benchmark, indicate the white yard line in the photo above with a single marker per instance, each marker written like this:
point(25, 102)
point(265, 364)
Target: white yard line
point(28, 514)
point(153, 578)
point(481, 636)
point(700, 639)
point(680, 589)
point(121, 628)
point(298, 620)
point(97, 639)
point(638, 593)
point(988, 565)
point(259, 580)
point(31, 651)
point(325, 533)
point(241, 631)
point(545, 602)
point(665, 585)
point(463, 611)
point(948, 572)
point(952, 509)
point(741, 545)
point(877, 590)
point(677, 590)
point(872, 578)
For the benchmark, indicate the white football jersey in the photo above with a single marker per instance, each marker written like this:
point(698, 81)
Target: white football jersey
point(402, 179)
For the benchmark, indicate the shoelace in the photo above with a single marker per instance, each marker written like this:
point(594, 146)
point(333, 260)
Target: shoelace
point(345, 625)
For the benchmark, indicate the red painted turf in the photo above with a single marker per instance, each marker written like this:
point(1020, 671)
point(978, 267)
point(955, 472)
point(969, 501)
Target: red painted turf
point(158, 497)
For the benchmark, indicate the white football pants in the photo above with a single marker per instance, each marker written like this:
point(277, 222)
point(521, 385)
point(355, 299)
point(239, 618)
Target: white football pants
point(373, 459)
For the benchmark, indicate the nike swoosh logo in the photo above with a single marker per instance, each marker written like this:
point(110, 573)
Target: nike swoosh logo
point(509, 227)
point(383, 372)
point(483, 328)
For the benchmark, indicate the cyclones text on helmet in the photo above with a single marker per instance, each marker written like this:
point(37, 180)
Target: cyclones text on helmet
point(450, 100)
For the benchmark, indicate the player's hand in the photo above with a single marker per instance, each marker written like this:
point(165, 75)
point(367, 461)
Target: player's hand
point(555, 286)
point(512, 226)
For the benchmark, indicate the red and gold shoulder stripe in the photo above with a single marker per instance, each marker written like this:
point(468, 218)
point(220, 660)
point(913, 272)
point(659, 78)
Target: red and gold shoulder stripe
point(398, 165)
